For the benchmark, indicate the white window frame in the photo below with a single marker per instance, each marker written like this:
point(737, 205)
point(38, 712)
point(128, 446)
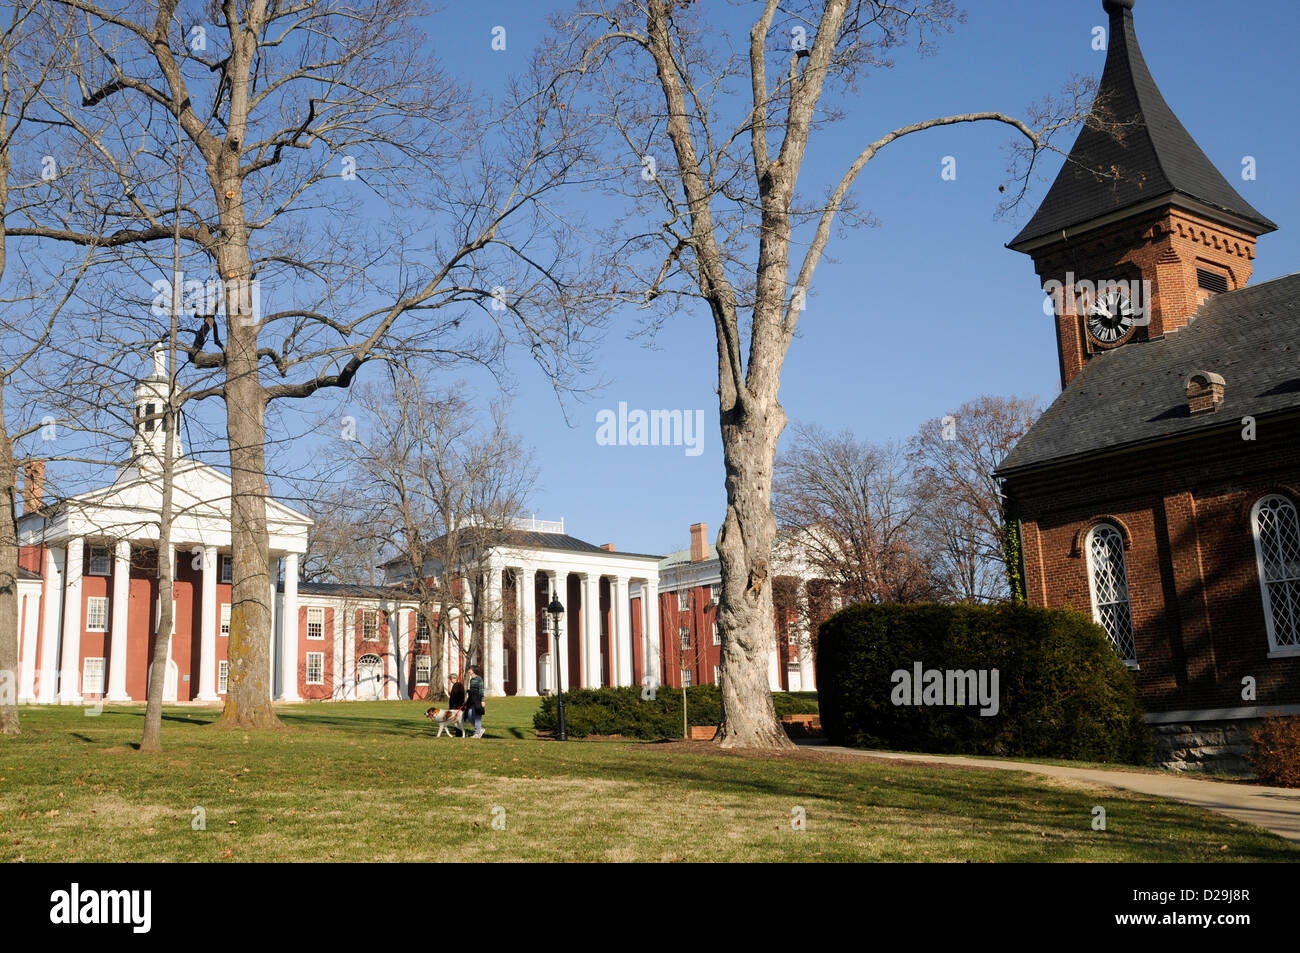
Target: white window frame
point(320, 662)
point(685, 634)
point(320, 634)
point(91, 602)
point(223, 677)
point(99, 552)
point(717, 636)
point(717, 675)
point(366, 616)
point(688, 678)
point(425, 662)
point(87, 686)
point(421, 622)
point(684, 600)
point(223, 621)
point(227, 566)
point(1290, 575)
point(1097, 616)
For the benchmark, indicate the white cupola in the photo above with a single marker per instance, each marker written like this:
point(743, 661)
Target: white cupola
point(150, 438)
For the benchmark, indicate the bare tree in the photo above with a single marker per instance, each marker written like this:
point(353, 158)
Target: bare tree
point(963, 514)
point(32, 302)
point(855, 509)
point(324, 149)
point(729, 214)
point(440, 489)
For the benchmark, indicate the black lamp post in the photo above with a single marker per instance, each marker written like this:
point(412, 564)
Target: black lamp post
point(555, 610)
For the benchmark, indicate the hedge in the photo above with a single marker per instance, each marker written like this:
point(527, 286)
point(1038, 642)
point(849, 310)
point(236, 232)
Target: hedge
point(622, 711)
point(1062, 690)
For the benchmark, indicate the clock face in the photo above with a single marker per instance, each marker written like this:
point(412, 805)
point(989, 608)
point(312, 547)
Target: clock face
point(1110, 319)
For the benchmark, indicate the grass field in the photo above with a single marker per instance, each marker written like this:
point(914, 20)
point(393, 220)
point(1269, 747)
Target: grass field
point(367, 781)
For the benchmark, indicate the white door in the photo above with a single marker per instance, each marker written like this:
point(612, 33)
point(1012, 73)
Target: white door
point(169, 681)
point(370, 678)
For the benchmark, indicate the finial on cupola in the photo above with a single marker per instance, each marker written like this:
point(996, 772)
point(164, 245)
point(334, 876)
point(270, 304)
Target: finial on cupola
point(1116, 6)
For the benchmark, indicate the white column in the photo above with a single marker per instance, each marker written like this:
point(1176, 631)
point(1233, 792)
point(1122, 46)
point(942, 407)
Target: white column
point(623, 616)
point(402, 646)
point(526, 683)
point(70, 665)
point(52, 600)
point(208, 627)
point(29, 636)
point(289, 632)
point(806, 677)
point(336, 636)
point(273, 568)
point(493, 635)
point(591, 630)
point(118, 639)
point(559, 647)
point(650, 634)
point(345, 621)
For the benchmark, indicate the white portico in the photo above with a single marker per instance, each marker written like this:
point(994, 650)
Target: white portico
point(95, 554)
point(608, 636)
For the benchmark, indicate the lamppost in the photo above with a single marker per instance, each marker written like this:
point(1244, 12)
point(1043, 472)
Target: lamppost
point(555, 610)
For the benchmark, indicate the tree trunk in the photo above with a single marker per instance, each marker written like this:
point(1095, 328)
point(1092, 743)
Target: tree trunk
point(248, 702)
point(151, 740)
point(745, 613)
point(8, 581)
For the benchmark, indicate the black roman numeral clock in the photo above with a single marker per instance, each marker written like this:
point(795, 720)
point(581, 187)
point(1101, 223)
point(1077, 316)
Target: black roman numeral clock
point(1110, 319)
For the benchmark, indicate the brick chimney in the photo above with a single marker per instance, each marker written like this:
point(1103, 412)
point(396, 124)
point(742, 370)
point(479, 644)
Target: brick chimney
point(607, 547)
point(699, 542)
point(33, 485)
point(1204, 391)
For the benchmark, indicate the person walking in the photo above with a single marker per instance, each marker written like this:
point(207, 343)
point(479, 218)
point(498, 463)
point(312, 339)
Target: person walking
point(456, 697)
point(474, 701)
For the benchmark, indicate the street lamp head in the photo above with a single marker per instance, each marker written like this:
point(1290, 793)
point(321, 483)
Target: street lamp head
point(555, 609)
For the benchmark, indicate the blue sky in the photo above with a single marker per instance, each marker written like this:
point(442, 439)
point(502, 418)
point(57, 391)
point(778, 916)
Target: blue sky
point(929, 309)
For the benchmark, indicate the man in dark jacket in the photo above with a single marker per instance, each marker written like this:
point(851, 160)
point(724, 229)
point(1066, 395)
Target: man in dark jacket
point(474, 701)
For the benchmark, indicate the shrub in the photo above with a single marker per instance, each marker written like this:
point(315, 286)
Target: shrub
point(1275, 751)
point(1062, 690)
point(622, 711)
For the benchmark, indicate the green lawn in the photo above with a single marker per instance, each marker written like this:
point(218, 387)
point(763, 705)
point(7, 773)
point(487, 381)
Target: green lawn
point(367, 781)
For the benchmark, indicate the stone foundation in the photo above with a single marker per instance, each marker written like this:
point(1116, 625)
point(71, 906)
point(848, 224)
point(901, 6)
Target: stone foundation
point(1211, 747)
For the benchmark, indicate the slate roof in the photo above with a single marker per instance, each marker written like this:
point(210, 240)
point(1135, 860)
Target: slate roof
point(1157, 156)
point(27, 574)
point(349, 590)
point(528, 539)
point(1134, 394)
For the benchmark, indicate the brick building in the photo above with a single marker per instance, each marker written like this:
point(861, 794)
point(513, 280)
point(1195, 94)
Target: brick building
point(689, 582)
point(1159, 492)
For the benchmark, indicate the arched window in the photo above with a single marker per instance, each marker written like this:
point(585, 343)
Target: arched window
point(1277, 549)
point(1108, 579)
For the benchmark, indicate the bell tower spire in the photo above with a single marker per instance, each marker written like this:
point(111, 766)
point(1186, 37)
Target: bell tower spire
point(149, 442)
point(1139, 227)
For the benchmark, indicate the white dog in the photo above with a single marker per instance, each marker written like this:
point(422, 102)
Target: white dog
point(446, 719)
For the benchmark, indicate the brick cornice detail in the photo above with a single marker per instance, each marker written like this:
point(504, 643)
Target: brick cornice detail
point(1076, 547)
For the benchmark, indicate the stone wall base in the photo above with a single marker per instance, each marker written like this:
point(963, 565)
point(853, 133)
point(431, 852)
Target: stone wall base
point(1211, 747)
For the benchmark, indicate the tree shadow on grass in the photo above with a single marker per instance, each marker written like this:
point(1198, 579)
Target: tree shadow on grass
point(1037, 820)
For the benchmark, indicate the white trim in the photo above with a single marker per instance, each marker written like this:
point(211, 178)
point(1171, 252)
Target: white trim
point(223, 625)
point(1219, 714)
point(428, 666)
point(321, 610)
point(1275, 650)
point(1123, 575)
point(102, 602)
point(227, 566)
point(87, 687)
point(223, 677)
point(320, 657)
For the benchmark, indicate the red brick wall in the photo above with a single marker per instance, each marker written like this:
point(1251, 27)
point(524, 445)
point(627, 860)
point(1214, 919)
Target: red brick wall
point(1164, 246)
point(1193, 582)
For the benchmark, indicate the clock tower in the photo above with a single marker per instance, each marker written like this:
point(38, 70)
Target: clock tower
point(1139, 227)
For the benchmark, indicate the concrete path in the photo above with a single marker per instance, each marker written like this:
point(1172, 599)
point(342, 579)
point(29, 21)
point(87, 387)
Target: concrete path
point(1274, 809)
